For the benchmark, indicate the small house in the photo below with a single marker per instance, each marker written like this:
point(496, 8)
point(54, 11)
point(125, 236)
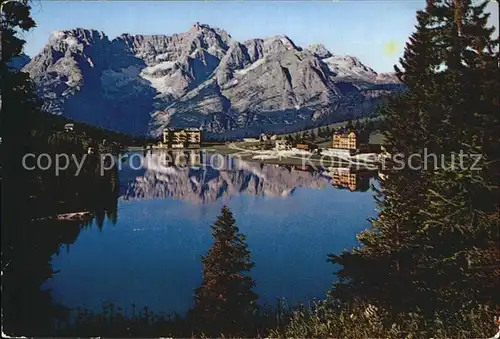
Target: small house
point(345, 140)
point(306, 146)
point(182, 138)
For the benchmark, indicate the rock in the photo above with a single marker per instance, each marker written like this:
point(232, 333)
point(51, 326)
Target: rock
point(320, 51)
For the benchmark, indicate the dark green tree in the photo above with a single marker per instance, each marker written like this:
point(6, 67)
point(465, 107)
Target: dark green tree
point(312, 136)
point(383, 268)
point(18, 115)
point(25, 309)
point(461, 210)
point(18, 101)
point(358, 125)
point(225, 302)
point(27, 244)
point(436, 223)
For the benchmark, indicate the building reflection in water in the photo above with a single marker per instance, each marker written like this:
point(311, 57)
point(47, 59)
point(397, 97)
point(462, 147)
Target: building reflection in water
point(351, 178)
point(183, 158)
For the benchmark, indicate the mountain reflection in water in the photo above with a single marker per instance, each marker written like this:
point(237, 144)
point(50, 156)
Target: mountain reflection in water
point(202, 178)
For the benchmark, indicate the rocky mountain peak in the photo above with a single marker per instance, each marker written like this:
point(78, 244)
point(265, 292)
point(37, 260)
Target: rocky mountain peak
point(354, 61)
point(199, 27)
point(204, 30)
point(77, 35)
point(320, 51)
point(278, 43)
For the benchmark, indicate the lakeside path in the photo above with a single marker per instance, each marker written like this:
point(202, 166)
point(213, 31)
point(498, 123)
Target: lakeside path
point(298, 157)
point(274, 157)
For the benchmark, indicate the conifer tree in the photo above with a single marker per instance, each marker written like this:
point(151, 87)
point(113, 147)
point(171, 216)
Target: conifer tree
point(357, 125)
point(225, 302)
point(433, 223)
point(463, 196)
point(382, 269)
point(312, 136)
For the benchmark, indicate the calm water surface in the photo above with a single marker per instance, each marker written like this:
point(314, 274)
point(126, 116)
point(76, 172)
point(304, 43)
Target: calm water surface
point(151, 256)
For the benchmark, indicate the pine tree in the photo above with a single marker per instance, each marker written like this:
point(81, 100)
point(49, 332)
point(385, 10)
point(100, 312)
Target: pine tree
point(433, 223)
point(381, 270)
point(225, 302)
point(462, 202)
point(312, 136)
point(357, 125)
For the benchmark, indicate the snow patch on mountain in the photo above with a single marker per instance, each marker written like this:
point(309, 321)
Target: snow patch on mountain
point(165, 65)
point(58, 35)
point(71, 41)
point(160, 84)
point(349, 66)
point(250, 68)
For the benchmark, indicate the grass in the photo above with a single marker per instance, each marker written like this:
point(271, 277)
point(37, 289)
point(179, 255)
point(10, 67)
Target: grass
point(323, 321)
point(317, 320)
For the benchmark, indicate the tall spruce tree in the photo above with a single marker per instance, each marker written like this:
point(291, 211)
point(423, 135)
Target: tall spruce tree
point(382, 269)
point(433, 222)
point(461, 213)
point(225, 302)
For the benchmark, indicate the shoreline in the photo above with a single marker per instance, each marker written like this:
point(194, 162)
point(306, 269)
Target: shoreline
point(273, 157)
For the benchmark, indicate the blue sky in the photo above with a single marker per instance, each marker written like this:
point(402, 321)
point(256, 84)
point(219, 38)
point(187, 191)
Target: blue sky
point(359, 28)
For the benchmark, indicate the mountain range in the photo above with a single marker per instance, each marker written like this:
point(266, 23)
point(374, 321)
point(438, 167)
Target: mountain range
point(202, 78)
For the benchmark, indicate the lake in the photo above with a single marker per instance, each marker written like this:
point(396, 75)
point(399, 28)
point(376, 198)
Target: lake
point(150, 255)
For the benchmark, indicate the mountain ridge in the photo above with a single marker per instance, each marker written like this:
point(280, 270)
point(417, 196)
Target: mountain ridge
point(202, 78)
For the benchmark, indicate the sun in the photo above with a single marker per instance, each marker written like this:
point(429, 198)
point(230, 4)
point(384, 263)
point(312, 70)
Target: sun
point(390, 48)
